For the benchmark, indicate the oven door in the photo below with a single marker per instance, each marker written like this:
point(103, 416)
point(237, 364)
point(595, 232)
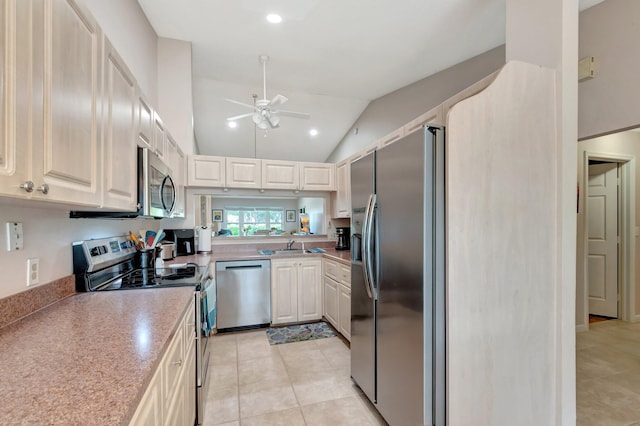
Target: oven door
point(206, 313)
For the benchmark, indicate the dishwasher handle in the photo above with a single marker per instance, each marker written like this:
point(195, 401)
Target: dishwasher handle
point(243, 267)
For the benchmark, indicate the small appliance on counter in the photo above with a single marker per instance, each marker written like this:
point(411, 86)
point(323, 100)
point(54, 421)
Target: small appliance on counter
point(184, 240)
point(343, 238)
point(204, 239)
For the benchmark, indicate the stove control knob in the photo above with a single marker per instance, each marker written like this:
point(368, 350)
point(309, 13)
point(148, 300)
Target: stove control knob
point(94, 251)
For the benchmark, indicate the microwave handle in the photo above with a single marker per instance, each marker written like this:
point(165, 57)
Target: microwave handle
point(173, 198)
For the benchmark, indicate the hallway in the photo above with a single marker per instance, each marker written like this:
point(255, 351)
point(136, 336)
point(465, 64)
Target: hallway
point(608, 374)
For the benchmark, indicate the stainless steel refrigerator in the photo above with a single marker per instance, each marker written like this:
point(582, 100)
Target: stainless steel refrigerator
point(397, 278)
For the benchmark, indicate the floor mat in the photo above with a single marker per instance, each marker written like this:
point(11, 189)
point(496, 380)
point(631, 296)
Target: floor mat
point(299, 333)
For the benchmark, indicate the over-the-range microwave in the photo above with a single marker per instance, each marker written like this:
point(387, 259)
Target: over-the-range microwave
point(156, 191)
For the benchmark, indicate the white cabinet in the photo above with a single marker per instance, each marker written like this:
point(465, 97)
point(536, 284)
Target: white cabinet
point(159, 135)
point(243, 173)
point(174, 158)
point(341, 199)
point(65, 95)
point(119, 155)
point(337, 295)
point(170, 396)
point(144, 122)
point(296, 290)
point(280, 174)
point(317, 177)
point(205, 170)
point(330, 309)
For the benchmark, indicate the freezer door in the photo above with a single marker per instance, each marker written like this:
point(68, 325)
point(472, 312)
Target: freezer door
point(362, 303)
point(407, 210)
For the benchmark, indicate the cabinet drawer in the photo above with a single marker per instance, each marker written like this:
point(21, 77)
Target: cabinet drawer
point(189, 328)
point(345, 275)
point(332, 270)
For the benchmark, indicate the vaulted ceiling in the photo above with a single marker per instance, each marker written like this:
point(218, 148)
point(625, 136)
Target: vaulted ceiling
point(329, 57)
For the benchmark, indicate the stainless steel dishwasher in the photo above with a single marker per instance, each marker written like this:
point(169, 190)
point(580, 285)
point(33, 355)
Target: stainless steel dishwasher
point(243, 294)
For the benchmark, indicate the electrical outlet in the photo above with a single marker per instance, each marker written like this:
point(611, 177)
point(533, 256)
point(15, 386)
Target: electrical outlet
point(33, 271)
point(15, 237)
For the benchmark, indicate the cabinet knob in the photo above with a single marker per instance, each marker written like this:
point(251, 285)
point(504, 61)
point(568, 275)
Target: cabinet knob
point(44, 188)
point(178, 363)
point(28, 186)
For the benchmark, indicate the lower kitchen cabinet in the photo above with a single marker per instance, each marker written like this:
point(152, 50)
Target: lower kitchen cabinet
point(170, 396)
point(296, 290)
point(337, 296)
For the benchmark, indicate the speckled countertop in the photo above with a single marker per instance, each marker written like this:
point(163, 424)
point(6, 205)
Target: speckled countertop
point(88, 358)
point(250, 253)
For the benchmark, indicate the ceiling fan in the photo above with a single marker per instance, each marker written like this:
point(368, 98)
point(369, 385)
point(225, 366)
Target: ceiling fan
point(264, 114)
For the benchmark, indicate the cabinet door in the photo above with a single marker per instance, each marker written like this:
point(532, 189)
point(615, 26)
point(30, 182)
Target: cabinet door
point(342, 205)
point(149, 411)
point(159, 135)
point(243, 173)
point(14, 84)
point(331, 301)
point(206, 171)
point(284, 291)
point(145, 122)
point(66, 93)
point(190, 388)
point(317, 177)
point(181, 179)
point(119, 155)
point(344, 308)
point(309, 290)
point(280, 174)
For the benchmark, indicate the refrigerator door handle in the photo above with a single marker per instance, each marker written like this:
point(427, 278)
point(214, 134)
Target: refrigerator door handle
point(367, 258)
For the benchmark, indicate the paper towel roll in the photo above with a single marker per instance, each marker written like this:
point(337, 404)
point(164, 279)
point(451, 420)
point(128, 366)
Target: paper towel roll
point(204, 239)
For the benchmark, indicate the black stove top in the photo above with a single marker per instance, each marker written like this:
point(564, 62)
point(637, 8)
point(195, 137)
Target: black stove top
point(190, 275)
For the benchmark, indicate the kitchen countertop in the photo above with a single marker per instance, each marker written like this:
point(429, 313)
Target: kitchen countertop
point(87, 359)
point(243, 253)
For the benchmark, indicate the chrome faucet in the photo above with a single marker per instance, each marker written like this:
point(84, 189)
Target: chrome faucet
point(289, 244)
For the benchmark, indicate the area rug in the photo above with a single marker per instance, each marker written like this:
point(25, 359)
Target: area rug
point(299, 333)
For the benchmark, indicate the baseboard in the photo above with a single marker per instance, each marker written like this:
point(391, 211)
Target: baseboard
point(581, 327)
point(635, 318)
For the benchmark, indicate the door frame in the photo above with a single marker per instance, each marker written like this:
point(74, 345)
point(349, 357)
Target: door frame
point(628, 233)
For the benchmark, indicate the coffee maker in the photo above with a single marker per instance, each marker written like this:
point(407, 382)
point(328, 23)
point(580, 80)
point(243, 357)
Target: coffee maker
point(343, 238)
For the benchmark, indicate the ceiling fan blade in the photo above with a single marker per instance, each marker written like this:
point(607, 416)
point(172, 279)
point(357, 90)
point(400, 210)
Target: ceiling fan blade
point(273, 120)
point(238, 117)
point(292, 114)
point(278, 100)
point(241, 103)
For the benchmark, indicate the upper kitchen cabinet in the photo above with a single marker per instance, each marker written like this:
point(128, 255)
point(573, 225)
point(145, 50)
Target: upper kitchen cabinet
point(144, 121)
point(174, 158)
point(341, 199)
point(243, 173)
point(65, 103)
point(119, 155)
point(280, 174)
point(317, 177)
point(159, 136)
point(206, 170)
point(13, 155)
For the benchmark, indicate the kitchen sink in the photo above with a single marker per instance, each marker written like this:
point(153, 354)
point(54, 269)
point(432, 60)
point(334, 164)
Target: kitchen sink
point(289, 251)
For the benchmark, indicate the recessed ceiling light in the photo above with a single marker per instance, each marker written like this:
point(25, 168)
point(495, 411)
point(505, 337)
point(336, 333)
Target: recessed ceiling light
point(274, 18)
point(313, 132)
point(232, 124)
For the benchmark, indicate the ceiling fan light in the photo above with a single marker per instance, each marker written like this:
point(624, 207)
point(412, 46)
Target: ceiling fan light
point(274, 18)
point(313, 132)
point(232, 124)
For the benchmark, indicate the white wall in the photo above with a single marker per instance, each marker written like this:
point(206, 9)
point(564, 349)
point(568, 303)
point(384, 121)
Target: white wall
point(48, 234)
point(175, 100)
point(609, 102)
point(130, 32)
point(389, 112)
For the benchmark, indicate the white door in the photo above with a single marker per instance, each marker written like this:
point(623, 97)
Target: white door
point(602, 205)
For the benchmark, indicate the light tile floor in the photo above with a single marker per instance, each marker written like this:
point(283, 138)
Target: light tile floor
point(608, 374)
point(303, 383)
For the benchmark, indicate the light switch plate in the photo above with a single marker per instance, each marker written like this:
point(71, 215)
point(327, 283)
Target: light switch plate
point(15, 236)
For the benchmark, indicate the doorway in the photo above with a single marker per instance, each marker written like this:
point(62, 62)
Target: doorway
point(609, 232)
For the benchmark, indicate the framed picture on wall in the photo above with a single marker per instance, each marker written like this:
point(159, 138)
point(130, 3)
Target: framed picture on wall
point(216, 215)
point(291, 215)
